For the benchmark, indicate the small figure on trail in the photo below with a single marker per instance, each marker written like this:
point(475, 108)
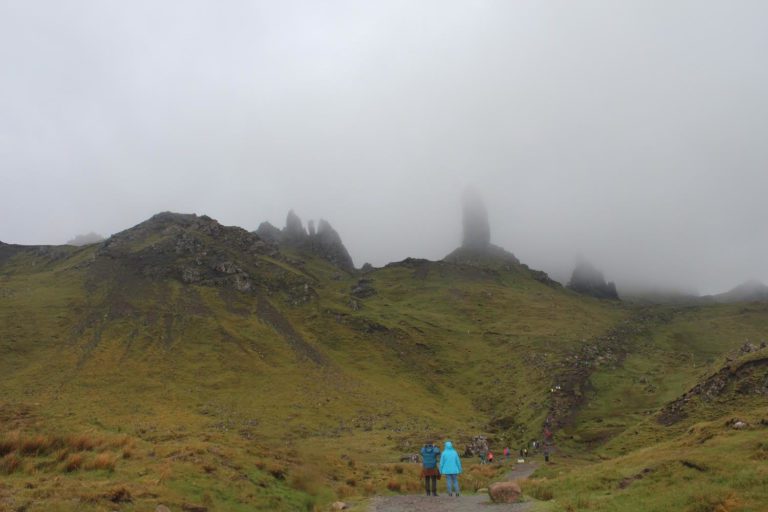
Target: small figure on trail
point(525, 453)
point(429, 471)
point(490, 457)
point(483, 456)
point(450, 467)
point(546, 454)
point(506, 453)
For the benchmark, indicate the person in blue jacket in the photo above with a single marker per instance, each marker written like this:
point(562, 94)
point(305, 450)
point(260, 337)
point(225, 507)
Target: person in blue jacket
point(429, 471)
point(450, 468)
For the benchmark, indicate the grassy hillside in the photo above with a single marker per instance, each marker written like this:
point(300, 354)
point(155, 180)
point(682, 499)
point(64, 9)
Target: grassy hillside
point(190, 364)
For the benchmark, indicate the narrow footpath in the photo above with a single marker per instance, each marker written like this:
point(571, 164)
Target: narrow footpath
point(445, 503)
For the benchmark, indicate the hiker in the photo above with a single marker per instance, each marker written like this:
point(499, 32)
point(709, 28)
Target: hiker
point(525, 453)
point(450, 467)
point(506, 453)
point(483, 456)
point(490, 457)
point(546, 454)
point(429, 471)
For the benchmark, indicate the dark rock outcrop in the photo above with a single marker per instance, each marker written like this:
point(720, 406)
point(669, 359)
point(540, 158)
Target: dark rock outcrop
point(324, 241)
point(294, 232)
point(587, 280)
point(328, 245)
point(194, 249)
point(477, 230)
point(364, 288)
point(745, 376)
point(267, 231)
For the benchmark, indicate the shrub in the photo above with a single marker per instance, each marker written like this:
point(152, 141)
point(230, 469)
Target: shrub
point(73, 462)
point(10, 463)
point(344, 491)
point(538, 489)
point(394, 486)
point(119, 495)
point(36, 445)
point(103, 461)
point(81, 442)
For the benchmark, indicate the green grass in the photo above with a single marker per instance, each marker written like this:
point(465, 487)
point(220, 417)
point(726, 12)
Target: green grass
point(222, 409)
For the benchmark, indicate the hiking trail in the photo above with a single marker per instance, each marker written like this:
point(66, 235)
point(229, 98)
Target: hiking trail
point(463, 503)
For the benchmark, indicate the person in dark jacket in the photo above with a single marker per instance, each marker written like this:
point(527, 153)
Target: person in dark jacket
point(429, 471)
point(450, 466)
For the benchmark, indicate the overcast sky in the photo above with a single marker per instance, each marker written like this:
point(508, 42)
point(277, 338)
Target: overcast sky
point(633, 133)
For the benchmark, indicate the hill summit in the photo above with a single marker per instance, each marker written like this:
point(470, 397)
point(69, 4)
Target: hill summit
point(476, 246)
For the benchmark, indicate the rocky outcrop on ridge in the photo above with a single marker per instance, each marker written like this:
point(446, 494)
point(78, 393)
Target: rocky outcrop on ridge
point(267, 231)
point(587, 280)
point(324, 241)
point(745, 373)
point(191, 248)
point(477, 230)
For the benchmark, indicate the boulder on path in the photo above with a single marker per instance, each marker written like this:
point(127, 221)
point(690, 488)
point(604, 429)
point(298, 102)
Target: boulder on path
point(505, 492)
point(162, 508)
point(339, 505)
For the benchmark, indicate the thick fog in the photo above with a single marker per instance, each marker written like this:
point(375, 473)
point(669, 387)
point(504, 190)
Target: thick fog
point(633, 133)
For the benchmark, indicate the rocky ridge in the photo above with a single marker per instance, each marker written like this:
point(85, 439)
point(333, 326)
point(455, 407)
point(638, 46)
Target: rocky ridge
point(324, 241)
point(745, 373)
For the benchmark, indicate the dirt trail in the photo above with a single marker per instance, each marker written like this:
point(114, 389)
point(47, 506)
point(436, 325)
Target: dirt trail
point(445, 503)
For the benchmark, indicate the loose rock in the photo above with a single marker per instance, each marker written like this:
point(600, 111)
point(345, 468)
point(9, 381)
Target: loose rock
point(505, 492)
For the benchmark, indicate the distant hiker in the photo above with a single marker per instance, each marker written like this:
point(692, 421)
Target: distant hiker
point(525, 453)
point(483, 456)
point(546, 454)
point(490, 457)
point(506, 453)
point(429, 470)
point(450, 467)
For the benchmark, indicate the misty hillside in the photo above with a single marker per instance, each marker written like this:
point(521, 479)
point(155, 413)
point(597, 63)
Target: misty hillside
point(179, 344)
point(748, 291)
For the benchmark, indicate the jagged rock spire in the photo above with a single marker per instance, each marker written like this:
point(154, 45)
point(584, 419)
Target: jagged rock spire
point(477, 230)
point(321, 239)
point(294, 230)
point(588, 280)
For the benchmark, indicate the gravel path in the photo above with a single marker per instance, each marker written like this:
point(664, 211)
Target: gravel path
point(445, 503)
